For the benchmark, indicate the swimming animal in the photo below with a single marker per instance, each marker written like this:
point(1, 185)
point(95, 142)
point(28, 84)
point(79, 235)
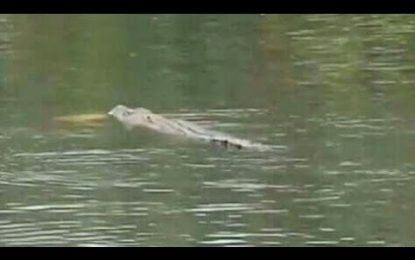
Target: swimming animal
point(142, 117)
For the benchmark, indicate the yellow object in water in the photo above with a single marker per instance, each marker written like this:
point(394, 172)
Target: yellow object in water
point(83, 119)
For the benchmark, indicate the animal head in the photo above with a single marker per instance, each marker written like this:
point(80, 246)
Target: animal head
point(131, 117)
point(120, 112)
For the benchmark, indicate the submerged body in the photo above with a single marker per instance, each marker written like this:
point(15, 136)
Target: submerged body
point(141, 117)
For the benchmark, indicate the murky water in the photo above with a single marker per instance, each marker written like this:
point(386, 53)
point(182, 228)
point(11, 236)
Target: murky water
point(334, 95)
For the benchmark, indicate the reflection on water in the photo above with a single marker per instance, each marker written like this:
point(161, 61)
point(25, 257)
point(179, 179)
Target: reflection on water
point(333, 94)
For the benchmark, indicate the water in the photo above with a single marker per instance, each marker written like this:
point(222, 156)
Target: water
point(333, 93)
